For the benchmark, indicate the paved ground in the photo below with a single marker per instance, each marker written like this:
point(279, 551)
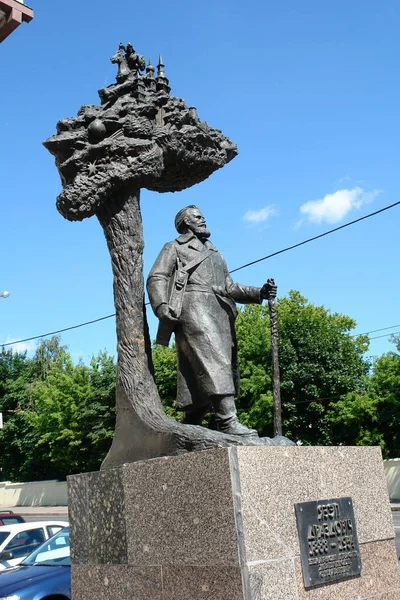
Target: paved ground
point(40, 513)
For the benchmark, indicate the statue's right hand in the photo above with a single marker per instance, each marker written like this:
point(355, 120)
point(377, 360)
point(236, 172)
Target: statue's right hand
point(164, 313)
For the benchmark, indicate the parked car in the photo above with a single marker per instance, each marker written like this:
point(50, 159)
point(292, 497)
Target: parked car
point(20, 539)
point(8, 517)
point(44, 574)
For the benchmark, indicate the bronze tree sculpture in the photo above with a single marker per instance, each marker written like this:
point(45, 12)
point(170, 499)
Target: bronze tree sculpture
point(140, 136)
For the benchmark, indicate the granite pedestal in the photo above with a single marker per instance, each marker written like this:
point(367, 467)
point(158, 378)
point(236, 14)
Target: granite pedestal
point(220, 525)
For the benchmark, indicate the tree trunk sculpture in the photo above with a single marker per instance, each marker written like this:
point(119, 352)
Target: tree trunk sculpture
point(139, 136)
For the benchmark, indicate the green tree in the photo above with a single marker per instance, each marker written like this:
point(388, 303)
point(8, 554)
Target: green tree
point(47, 353)
point(58, 402)
point(16, 383)
point(60, 416)
point(165, 373)
point(385, 386)
point(372, 418)
point(74, 413)
point(354, 420)
point(320, 362)
point(97, 417)
point(254, 344)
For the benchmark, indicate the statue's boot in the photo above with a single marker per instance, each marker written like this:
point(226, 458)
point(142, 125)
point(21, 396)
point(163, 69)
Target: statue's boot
point(195, 414)
point(226, 419)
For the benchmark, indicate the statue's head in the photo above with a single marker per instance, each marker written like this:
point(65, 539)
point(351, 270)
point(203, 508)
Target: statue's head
point(191, 218)
point(180, 224)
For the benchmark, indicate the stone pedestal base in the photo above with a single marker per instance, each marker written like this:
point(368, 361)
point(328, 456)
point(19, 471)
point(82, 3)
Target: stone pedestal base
point(220, 525)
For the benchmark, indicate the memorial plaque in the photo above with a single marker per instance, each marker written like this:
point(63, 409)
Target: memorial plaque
point(329, 549)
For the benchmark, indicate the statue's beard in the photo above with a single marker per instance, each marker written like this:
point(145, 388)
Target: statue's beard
point(201, 232)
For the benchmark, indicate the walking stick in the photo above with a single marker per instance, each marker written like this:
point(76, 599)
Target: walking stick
point(273, 320)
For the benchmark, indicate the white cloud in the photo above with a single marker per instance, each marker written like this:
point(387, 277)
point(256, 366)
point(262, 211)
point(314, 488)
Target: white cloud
point(332, 208)
point(21, 346)
point(259, 216)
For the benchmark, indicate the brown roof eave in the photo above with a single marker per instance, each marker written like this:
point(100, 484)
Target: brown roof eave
point(16, 13)
point(9, 5)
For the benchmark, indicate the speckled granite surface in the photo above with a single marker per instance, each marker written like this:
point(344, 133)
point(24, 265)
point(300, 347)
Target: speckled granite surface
point(272, 480)
point(202, 583)
point(380, 574)
point(179, 510)
point(97, 518)
point(106, 505)
point(220, 525)
point(78, 510)
point(116, 582)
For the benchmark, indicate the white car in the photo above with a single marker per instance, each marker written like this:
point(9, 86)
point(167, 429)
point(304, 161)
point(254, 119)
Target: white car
point(20, 539)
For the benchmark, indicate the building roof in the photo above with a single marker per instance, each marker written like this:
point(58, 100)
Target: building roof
point(12, 14)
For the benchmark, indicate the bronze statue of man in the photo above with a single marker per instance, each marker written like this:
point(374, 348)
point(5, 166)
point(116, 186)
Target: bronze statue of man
point(192, 294)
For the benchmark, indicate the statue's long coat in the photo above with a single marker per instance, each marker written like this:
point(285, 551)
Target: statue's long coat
point(205, 334)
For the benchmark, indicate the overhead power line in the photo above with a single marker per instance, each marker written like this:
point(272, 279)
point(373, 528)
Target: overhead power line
point(376, 330)
point(37, 337)
point(316, 237)
point(384, 335)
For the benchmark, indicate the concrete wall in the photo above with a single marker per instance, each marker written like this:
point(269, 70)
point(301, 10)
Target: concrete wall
point(392, 472)
point(33, 493)
point(54, 493)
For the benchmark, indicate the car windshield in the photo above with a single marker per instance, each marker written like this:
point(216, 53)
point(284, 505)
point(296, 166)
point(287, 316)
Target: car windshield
point(54, 552)
point(11, 520)
point(3, 536)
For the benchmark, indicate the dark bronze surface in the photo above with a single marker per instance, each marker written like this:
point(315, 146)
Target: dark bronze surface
point(329, 548)
point(139, 137)
point(270, 294)
point(192, 293)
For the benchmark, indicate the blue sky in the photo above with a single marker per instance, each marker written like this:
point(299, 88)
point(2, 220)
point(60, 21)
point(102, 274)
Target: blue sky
point(308, 90)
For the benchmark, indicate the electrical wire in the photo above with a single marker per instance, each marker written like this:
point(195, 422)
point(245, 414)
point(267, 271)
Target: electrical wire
point(329, 398)
point(316, 237)
point(384, 335)
point(375, 330)
point(316, 400)
point(37, 337)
